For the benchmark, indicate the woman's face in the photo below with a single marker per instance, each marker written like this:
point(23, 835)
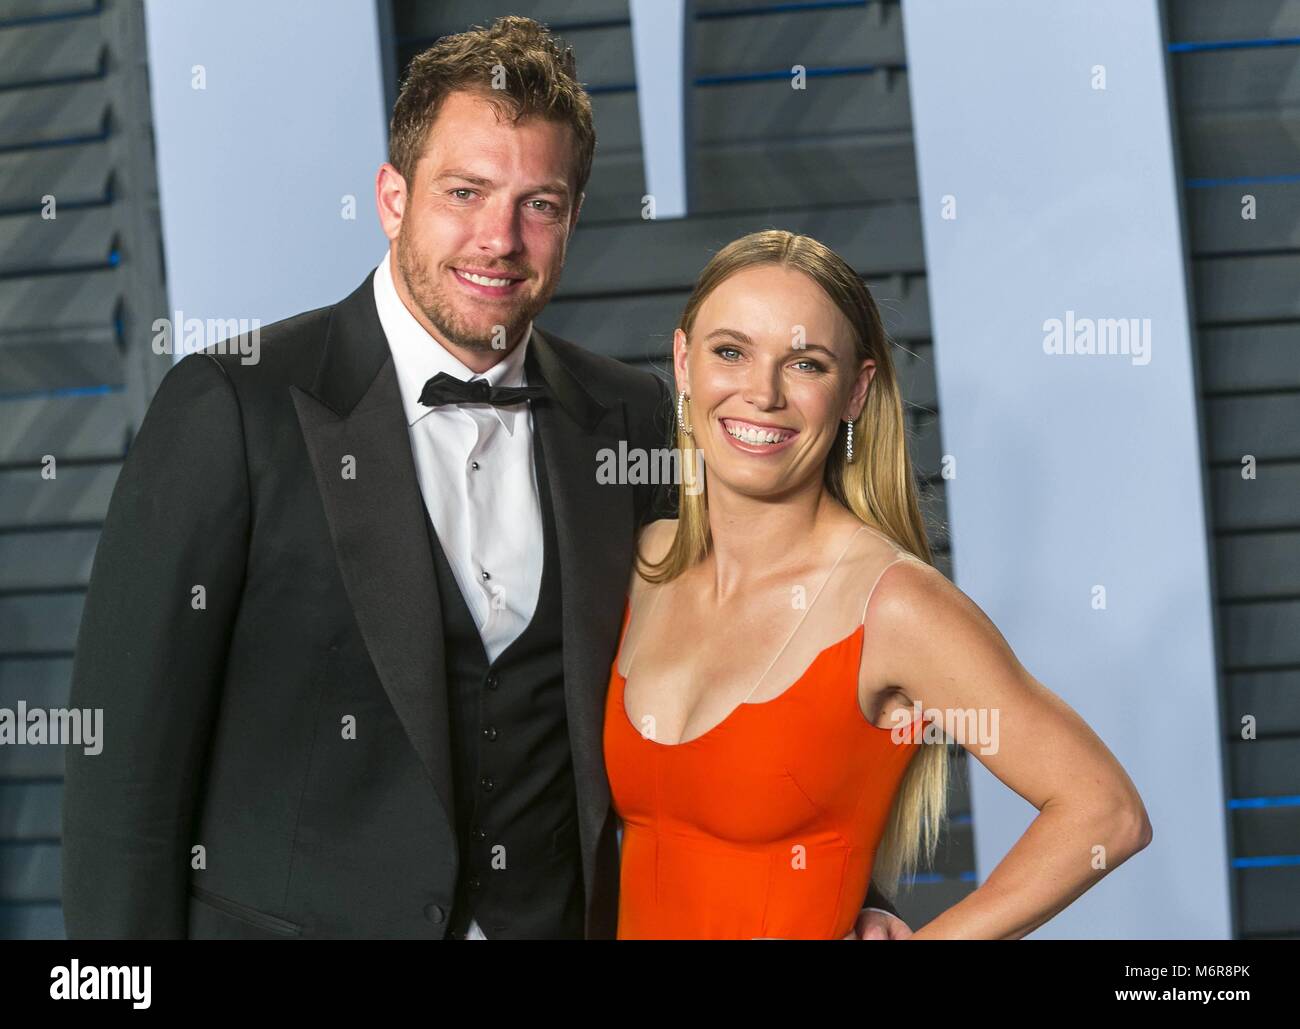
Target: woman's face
point(770, 374)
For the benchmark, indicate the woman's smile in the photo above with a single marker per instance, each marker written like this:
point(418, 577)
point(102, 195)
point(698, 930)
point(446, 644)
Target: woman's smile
point(756, 437)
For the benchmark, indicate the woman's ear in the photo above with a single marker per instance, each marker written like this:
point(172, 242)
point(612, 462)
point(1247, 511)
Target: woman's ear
point(858, 395)
point(683, 381)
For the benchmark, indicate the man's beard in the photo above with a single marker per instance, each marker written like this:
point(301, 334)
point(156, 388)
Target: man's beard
point(431, 298)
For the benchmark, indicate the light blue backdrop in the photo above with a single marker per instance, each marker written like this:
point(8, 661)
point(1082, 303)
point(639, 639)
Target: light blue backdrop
point(1076, 471)
point(253, 168)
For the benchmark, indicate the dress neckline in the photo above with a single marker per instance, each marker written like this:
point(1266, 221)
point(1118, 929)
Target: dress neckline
point(730, 716)
point(855, 636)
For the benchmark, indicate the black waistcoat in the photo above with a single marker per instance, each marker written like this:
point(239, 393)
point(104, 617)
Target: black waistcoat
point(516, 809)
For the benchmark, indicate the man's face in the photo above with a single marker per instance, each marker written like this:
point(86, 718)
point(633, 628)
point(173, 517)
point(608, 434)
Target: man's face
point(481, 232)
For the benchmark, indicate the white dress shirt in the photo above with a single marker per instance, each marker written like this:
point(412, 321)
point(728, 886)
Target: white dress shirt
point(474, 463)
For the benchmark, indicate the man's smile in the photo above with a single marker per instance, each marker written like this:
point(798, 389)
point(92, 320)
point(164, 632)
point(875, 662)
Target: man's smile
point(487, 284)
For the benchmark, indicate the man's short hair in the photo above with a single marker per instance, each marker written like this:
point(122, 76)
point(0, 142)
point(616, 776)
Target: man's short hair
point(517, 65)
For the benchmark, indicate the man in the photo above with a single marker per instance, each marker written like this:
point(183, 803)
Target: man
point(351, 618)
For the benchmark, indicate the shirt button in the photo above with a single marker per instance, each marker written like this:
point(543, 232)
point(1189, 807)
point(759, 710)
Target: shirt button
point(487, 784)
point(478, 833)
point(474, 883)
point(474, 465)
point(486, 576)
point(492, 682)
point(490, 732)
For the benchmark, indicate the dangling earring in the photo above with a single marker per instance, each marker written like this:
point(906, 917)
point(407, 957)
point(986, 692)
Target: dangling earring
point(681, 417)
point(848, 443)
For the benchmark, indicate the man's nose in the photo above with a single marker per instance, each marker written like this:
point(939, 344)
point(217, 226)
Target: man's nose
point(498, 228)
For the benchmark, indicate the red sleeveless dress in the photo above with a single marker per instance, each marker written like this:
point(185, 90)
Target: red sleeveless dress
point(765, 826)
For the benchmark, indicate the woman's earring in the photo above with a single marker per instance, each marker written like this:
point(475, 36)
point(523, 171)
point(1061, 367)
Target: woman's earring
point(848, 443)
point(681, 416)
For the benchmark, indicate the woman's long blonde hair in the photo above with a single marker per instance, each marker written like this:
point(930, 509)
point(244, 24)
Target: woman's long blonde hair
point(878, 487)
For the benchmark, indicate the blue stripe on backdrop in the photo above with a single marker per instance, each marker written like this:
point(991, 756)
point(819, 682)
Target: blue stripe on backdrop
point(760, 76)
point(69, 391)
point(1240, 180)
point(784, 73)
point(95, 7)
point(788, 8)
point(61, 80)
point(1273, 861)
point(1231, 44)
point(47, 144)
point(1242, 803)
point(930, 878)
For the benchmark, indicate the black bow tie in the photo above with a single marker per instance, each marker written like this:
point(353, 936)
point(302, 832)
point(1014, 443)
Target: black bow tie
point(447, 389)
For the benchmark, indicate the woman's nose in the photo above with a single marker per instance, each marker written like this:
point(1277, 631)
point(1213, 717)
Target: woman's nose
point(763, 389)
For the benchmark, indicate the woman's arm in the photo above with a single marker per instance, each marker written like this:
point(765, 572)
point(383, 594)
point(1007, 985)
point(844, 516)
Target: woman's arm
point(936, 645)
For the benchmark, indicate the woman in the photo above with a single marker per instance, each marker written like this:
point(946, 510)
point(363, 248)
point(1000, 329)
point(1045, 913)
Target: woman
point(763, 740)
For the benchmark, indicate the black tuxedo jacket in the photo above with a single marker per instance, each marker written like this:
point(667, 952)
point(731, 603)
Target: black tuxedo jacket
point(265, 548)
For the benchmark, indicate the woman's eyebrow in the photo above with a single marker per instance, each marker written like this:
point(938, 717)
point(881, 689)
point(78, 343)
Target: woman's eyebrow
point(736, 334)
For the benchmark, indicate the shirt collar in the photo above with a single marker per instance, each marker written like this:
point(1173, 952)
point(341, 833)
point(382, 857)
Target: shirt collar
point(418, 356)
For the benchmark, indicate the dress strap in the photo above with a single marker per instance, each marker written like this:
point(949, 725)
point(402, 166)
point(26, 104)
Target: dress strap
point(805, 613)
point(871, 592)
point(659, 588)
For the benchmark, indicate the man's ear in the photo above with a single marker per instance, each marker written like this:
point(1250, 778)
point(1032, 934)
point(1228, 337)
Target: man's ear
point(577, 210)
point(390, 199)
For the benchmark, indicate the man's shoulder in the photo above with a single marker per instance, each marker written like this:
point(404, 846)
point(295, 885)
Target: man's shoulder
point(288, 349)
point(608, 379)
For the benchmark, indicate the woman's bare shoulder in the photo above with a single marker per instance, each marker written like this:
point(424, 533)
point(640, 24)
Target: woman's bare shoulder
point(655, 539)
point(913, 602)
point(652, 544)
point(906, 582)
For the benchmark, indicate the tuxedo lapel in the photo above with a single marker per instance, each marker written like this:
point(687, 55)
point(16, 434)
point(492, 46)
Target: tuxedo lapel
point(352, 414)
point(595, 536)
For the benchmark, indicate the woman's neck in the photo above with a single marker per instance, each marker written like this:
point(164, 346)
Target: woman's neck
point(755, 538)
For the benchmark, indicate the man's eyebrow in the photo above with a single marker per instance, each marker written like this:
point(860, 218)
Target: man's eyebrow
point(460, 173)
point(556, 187)
point(739, 336)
